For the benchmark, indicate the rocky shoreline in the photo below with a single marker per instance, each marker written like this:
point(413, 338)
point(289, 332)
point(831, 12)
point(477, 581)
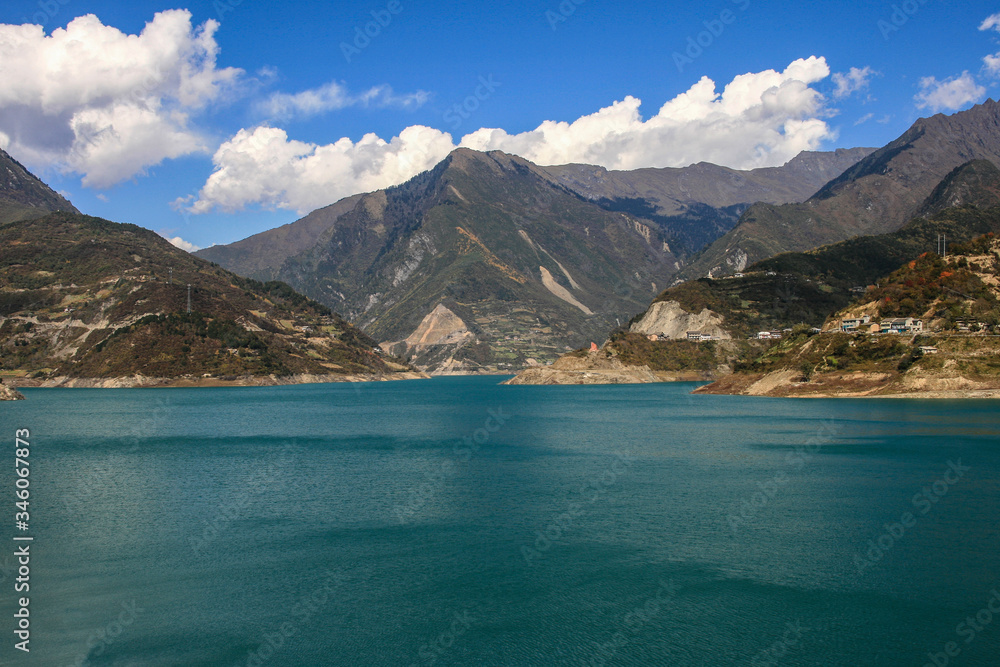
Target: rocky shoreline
point(598, 369)
point(790, 384)
point(141, 381)
point(10, 394)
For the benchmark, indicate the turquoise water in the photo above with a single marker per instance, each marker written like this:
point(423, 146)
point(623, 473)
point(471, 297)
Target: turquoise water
point(457, 522)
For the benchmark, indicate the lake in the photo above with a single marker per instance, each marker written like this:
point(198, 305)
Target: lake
point(458, 522)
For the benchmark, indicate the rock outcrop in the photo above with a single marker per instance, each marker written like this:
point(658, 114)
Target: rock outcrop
point(10, 394)
point(670, 319)
point(596, 368)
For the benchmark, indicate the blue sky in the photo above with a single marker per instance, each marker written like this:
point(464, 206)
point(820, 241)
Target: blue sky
point(229, 117)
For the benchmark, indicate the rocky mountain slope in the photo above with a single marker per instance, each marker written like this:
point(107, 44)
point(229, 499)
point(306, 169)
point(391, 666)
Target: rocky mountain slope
point(23, 196)
point(482, 263)
point(88, 302)
point(799, 289)
point(694, 205)
point(877, 195)
point(489, 262)
point(954, 352)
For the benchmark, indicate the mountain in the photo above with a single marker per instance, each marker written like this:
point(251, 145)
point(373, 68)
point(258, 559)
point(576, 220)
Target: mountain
point(88, 302)
point(955, 301)
point(792, 291)
point(694, 205)
point(877, 195)
point(481, 263)
point(23, 196)
point(490, 262)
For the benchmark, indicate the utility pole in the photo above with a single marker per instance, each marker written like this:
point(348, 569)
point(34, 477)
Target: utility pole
point(189, 298)
point(942, 245)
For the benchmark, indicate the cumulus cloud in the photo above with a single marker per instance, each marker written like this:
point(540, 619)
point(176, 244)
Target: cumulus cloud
point(264, 166)
point(759, 119)
point(178, 242)
point(105, 104)
point(334, 96)
point(852, 81)
point(992, 22)
point(991, 63)
point(949, 95)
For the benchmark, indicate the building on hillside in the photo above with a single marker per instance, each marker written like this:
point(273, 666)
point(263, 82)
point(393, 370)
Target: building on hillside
point(763, 335)
point(694, 335)
point(928, 349)
point(852, 324)
point(901, 325)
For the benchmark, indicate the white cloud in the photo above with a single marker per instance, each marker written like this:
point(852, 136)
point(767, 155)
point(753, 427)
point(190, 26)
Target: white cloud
point(992, 64)
point(949, 95)
point(852, 81)
point(992, 22)
point(263, 166)
point(864, 119)
point(334, 96)
point(104, 104)
point(178, 242)
point(759, 119)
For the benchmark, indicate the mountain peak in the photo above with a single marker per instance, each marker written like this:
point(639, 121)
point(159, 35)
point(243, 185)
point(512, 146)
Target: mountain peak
point(23, 196)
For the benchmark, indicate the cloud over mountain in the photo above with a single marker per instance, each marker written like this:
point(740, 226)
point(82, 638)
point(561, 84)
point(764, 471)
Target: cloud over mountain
point(758, 119)
point(96, 101)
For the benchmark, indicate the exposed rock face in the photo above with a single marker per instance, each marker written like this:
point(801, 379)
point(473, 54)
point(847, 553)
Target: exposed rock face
point(10, 394)
point(667, 317)
point(434, 342)
point(23, 196)
point(595, 368)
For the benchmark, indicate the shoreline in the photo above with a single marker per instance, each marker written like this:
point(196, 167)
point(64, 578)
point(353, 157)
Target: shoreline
point(143, 382)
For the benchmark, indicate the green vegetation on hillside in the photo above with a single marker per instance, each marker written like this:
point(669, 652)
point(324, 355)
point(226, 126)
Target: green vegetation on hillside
point(85, 297)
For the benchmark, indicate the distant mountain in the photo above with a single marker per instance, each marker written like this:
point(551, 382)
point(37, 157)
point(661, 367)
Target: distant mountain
point(88, 302)
point(941, 308)
point(23, 196)
point(789, 291)
point(878, 194)
point(695, 205)
point(481, 263)
point(491, 262)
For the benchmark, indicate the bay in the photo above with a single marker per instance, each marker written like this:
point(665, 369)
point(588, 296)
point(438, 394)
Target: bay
point(458, 522)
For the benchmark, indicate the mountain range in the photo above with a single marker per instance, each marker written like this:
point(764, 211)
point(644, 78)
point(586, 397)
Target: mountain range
point(878, 194)
point(489, 262)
